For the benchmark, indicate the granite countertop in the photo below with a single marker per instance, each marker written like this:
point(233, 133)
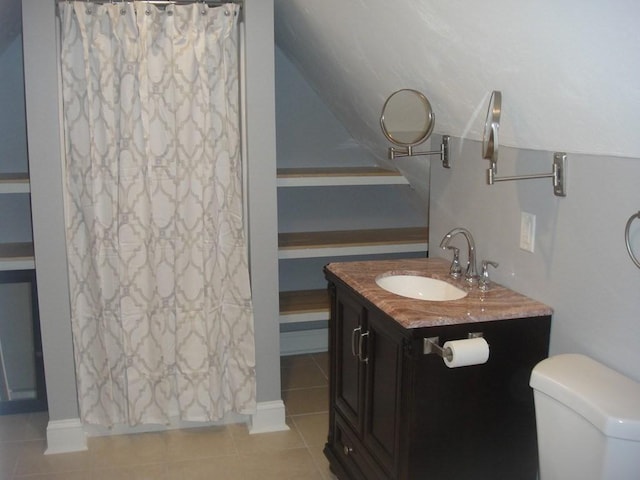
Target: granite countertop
point(499, 303)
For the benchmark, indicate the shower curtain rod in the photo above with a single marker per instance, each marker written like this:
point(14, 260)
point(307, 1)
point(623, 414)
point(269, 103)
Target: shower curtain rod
point(164, 3)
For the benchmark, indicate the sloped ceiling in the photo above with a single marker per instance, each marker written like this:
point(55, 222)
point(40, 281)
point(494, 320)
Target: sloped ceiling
point(569, 71)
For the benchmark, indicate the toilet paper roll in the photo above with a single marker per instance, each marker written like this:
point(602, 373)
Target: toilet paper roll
point(471, 351)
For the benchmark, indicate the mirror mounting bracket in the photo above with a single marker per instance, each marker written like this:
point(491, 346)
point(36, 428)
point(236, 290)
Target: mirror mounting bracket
point(397, 152)
point(558, 174)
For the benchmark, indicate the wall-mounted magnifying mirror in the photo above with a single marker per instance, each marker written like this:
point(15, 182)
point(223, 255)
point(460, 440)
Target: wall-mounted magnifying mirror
point(491, 128)
point(407, 120)
point(490, 152)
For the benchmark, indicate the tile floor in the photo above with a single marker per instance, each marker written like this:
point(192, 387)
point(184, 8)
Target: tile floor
point(217, 453)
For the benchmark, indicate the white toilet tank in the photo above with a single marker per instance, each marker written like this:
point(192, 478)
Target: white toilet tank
point(588, 420)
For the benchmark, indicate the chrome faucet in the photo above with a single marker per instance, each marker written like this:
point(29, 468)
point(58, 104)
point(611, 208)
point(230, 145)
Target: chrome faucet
point(484, 283)
point(471, 275)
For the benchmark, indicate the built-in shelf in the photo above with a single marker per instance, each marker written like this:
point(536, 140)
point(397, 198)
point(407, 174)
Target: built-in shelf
point(312, 306)
point(14, 183)
point(352, 242)
point(304, 306)
point(16, 256)
point(339, 176)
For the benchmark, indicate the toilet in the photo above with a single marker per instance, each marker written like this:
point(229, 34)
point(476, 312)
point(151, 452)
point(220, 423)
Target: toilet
point(587, 420)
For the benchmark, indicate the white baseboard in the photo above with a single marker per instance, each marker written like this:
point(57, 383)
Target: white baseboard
point(304, 341)
point(65, 436)
point(269, 417)
point(174, 424)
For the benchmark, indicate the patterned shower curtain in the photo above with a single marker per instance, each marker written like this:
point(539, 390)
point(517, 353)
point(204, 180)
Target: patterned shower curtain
point(161, 307)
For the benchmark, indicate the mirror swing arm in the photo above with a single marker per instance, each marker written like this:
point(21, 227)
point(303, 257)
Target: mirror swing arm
point(397, 152)
point(558, 174)
point(490, 152)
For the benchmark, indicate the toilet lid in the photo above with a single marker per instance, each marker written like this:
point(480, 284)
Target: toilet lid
point(606, 398)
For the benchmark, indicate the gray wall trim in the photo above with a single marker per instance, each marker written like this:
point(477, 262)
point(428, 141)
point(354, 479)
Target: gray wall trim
point(262, 196)
point(45, 167)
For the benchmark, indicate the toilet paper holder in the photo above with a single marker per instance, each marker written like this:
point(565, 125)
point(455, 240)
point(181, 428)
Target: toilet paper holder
point(431, 345)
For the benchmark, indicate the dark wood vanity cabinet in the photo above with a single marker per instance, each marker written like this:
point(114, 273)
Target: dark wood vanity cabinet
point(366, 369)
point(397, 413)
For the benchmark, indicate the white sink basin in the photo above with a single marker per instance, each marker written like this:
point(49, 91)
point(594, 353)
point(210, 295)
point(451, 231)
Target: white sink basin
point(420, 288)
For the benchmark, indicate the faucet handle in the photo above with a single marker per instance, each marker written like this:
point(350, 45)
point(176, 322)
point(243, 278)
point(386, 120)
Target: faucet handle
point(484, 283)
point(456, 269)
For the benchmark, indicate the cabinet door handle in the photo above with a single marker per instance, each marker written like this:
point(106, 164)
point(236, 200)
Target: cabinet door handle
point(353, 341)
point(360, 342)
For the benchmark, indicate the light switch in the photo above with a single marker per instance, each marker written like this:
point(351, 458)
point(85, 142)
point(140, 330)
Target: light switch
point(527, 231)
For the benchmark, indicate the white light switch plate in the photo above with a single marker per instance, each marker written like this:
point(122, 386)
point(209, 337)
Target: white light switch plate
point(527, 231)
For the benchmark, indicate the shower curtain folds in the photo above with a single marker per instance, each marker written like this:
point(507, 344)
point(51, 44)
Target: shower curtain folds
point(164, 3)
point(162, 318)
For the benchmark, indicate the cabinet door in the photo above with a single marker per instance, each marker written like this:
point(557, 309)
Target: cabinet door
point(350, 326)
point(382, 393)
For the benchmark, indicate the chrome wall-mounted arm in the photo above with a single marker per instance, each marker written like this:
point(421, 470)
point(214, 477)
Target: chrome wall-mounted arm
point(558, 175)
point(397, 152)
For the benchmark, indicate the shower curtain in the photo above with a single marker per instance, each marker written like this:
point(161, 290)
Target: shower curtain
point(162, 318)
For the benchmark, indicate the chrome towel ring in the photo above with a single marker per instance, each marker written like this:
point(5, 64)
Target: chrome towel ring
point(626, 238)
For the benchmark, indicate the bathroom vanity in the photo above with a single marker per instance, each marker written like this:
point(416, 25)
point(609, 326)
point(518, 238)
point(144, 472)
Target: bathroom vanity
point(397, 412)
